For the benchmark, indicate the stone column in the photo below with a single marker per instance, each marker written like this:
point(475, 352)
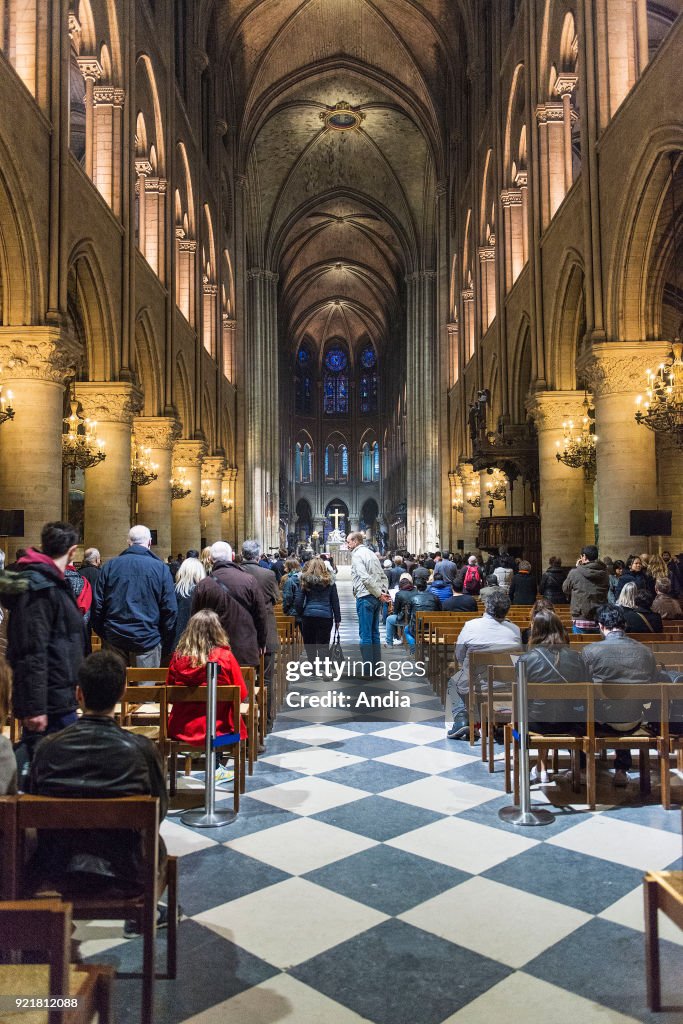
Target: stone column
point(107, 486)
point(470, 515)
point(564, 87)
point(211, 518)
point(35, 361)
point(421, 406)
point(625, 451)
point(186, 512)
point(228, 502)
point(92, 72)
point(262, 409)
point(154, 500)
point(562, 489)
point(670, 476)
point(550, 120)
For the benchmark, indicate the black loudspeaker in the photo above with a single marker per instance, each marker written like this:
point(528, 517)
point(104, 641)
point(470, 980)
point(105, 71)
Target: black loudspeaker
point(461, 545)
point(154, 538)
point(11, 522)
point(650, 523)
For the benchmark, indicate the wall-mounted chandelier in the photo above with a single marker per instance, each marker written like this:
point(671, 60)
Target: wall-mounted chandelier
point(577, 447)
point(458, 501)
point(207, 496)
point(473, 494)
point(81, 448)
point(6, 410)
point(179, 486)
point(142, 470)
point(227, 506)
point(661, 409)
point(496, 485)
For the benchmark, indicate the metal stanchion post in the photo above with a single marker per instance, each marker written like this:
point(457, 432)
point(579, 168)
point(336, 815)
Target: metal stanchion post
point(524, 814)
point(209, 817)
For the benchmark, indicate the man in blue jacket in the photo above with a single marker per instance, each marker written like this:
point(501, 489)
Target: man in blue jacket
point(135, 603)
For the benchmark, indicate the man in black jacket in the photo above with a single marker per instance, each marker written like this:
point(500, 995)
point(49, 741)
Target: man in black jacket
point(135, 604)
point(46, 638)
point(267, 583)
point(95, 758)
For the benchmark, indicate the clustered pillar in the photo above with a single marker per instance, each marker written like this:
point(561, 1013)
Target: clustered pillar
point(158, 433)
point(185, 512)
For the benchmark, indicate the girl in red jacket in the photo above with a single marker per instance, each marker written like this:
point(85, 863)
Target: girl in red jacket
point(204, 640)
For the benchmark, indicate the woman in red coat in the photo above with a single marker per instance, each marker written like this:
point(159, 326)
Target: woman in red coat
point(204, 639)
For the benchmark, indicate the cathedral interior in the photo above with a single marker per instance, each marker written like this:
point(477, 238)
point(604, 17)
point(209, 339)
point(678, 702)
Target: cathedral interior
point(274, 268)
point(353, 263)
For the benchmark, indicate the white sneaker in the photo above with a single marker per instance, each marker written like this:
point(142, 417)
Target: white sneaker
point(620, 778)
point(398, 643)
point(536, 776)
point(224, 774)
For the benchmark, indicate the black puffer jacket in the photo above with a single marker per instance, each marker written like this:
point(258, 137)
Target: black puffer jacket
point(94, 757)
point(423, 601)
point(46, 640)
point(550, 586)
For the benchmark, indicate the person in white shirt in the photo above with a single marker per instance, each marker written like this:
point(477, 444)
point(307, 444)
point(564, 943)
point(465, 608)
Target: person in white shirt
point(492, 630)
point(370, 590)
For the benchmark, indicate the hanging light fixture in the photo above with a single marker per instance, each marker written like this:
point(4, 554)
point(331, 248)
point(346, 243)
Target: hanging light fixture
point(142, 470)
point(496, 485)
point(661, 407)
point(208, 495)
point(227, 506)
point(179, 488)
point(577, 447)
point(81, 448)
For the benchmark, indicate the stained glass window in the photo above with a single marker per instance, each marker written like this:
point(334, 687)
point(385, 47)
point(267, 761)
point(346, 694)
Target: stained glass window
point(335, 359)
point(366, 464)
point(344, 462)
point(336, 393)
point(304, 356)
point(306, 465)
point(368, 357)
point(304, 395)
point(368, 392)
point(375, 461)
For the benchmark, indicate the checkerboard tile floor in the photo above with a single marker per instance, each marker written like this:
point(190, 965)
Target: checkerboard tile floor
point(368, 878)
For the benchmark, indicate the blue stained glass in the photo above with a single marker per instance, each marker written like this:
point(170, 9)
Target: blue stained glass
point(335, 360)
point(375, 461)
point(344, 461)
point(303, 356)
point(368, 357)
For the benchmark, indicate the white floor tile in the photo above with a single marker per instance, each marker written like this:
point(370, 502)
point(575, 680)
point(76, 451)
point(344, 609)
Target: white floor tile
point(538, 1001)
point(312, 760)
point(181, 841)
point(308, 795)
point(280, 1000)
point(427, 759)
point(290, 922)
point(445, 796)
point(95, 937)
point(505, 924)
point(629, 911)
point(414, 734)
point(463, 844)
point(300, 846)
point(636, 846)
point(316, 735)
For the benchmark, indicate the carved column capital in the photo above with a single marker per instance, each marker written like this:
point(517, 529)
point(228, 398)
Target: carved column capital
point(549, 112)
point(511, 197)
point(550, 409)
point(189, 453)
point(565, 83)
point(90, 67)
point(157, 431)
point(613, 368)
point(213, 467)
point(487, 253)
point(109, 94)
point(143, 166)
point(468, 295)
point(109, 401)
point(38, 353)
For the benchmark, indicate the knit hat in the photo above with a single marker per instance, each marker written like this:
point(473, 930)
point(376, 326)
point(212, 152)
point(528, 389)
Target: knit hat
point(388, 563)
point(405, 576)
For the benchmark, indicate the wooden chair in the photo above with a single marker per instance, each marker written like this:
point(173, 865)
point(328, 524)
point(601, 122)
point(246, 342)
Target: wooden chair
point(8, 847)
point(576, 693)
point(197, 695)
point(597, 740)
point(135, 719)
point(139, 814)
point(669, 743)
point(45, 926)
point(663, 890)
point(250, 711)
point(479, 662)
point(490, 715)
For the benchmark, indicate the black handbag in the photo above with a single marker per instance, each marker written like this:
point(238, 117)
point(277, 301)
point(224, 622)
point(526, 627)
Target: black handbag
point(336, 652)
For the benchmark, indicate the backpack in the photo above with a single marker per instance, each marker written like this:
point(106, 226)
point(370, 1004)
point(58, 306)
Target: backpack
point(471, 576)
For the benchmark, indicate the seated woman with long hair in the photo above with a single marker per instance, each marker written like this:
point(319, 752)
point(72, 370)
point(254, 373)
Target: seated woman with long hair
point(550, 659)
point(203, 640)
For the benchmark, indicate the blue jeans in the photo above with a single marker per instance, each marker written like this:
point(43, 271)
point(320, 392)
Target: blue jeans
point(392, 622)
point(577, 629)
point(367, 609)
point(409, 637)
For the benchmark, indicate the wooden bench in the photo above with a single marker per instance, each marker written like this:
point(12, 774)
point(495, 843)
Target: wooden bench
point(662, 890)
